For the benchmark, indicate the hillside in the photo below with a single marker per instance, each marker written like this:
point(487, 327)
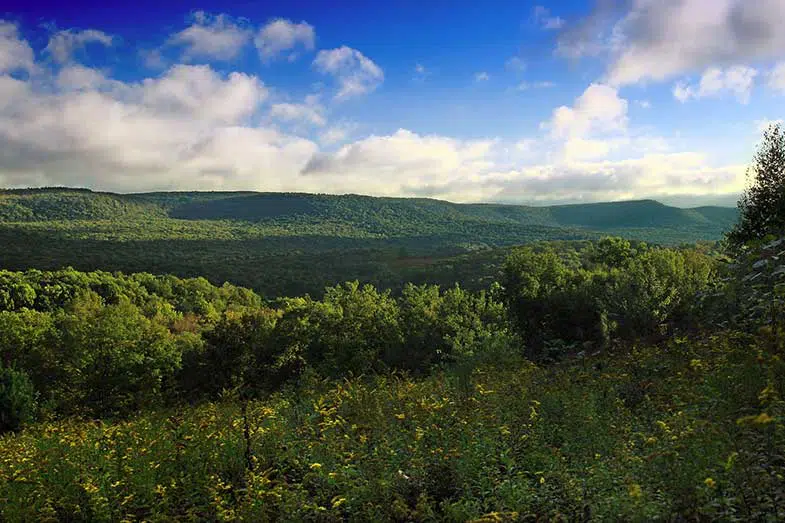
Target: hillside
point(295, 243)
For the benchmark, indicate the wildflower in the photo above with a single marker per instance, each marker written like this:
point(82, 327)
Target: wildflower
point(635, 491)
point(710, 482)
point(316, 466)
point(401, 416)
point(542, 480)
point(763, 419)
point(338, 502)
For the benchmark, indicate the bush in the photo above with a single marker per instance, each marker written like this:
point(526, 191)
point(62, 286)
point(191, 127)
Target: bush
point(17, 399)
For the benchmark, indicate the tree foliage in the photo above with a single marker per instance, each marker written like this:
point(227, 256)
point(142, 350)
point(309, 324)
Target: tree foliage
point(17, 399)
point(762, 206)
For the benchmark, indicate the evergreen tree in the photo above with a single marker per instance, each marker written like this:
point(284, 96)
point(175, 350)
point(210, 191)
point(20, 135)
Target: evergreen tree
point(762, 206)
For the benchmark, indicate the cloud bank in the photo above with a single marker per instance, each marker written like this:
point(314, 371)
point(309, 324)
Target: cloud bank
point(194, 126)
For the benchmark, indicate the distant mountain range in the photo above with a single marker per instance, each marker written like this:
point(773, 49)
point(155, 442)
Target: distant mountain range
point(291, 243)
point(386, 216)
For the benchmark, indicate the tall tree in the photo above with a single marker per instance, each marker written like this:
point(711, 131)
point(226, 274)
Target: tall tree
point(762, 206)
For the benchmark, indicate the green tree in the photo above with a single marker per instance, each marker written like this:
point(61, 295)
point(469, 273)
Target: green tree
point(116, 360)
point(17, 399)
point(762, 206)
point(242, 351)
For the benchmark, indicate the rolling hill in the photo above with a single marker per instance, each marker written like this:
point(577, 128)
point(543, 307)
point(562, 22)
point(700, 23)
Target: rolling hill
point(291, 243)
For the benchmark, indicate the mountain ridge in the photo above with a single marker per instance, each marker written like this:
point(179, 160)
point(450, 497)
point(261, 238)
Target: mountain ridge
point(57, 203)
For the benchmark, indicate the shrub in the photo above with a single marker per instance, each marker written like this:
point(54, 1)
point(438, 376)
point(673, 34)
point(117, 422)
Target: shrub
point(17, 399)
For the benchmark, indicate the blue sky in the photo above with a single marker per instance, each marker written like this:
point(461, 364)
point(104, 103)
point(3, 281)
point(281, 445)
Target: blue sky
point(520, 102)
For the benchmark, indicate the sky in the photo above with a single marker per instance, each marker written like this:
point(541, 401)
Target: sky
point(533, 102)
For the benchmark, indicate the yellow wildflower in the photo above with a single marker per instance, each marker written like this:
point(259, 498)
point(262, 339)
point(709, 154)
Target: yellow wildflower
point(635, 491)
point(763, 419)
point(710, 482)
point(316, 466)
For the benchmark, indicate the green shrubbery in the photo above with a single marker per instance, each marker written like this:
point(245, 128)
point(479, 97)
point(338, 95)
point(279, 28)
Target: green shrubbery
point(17, 399)
point(658, 393)
point(103, 344)
point(614, 293)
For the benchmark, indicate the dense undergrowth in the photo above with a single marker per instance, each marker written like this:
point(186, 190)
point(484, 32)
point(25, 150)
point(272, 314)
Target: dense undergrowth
point(621, 382)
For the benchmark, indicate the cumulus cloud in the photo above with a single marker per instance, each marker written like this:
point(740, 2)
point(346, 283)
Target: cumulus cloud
point(15, 53)
point(409, 164)
point(737, 80)
point(217, 37)
point(659, 39)
point(598, 109)
point(189, 128)
point(284, 36)
point(63, 44)
point(290, 112)
point(481, 77)
point(336, 134)
point(78, 77)
point(355, 73)
point(193, 127)
point(198, 92)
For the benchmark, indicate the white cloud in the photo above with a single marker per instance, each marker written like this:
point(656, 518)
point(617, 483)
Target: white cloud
point(78, 77)
point(737, 80)
point(542, 16)
point(598, 109)
point(192, 127)
point(15, 52)
point(188, 128)
point(333, 135)
point(308, 113)
point(651, 176)
point(481, 77)
point(515, 64)
point(198, 92)
point(401, 163)
point(356, 74)
point(338, 133)
point(777, 78)
point(643, 104)
point(280, 36)
point(218, 37)
point(409, 164)
point(586, 149)
point(63, 44)
point(659, 39)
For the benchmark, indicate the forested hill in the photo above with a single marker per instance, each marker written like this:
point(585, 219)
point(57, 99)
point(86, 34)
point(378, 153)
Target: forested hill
point(285, 244)
point(383, 216)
